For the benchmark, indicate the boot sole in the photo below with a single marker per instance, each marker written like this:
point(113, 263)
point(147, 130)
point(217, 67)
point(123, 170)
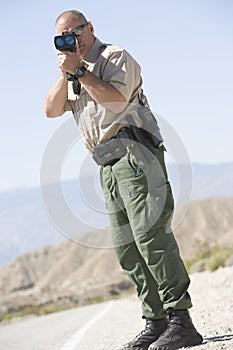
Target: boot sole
point(138, 348)
point(191, 342)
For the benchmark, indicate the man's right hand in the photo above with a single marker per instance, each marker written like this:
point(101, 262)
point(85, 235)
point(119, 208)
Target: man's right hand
point(68, 61)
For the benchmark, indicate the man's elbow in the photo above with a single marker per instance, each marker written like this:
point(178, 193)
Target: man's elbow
point(49, 113)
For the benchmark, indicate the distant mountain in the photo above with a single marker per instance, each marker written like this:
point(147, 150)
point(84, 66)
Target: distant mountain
point(25, 225)
point(70, 274)
point(208, 180)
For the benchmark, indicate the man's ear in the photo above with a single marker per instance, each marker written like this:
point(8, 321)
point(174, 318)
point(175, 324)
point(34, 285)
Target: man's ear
point(91, 27)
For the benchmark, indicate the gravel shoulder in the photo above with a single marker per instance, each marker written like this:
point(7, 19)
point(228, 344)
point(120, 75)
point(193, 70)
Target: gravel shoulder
point(212, 313)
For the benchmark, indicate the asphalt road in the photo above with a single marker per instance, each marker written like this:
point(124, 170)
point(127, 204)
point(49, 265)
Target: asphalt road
point(81, 328)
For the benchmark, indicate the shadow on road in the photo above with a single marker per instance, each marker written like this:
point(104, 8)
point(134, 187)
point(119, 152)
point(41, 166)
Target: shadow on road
point(219, 338)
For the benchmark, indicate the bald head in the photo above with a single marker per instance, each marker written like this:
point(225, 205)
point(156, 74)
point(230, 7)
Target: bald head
point(70, 14)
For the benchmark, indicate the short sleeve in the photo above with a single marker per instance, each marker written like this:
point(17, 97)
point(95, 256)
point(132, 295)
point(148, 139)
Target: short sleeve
point(67, 106)
point(123, 72)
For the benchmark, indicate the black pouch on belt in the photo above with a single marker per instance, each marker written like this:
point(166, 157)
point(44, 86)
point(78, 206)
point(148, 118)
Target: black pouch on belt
point(107, 152)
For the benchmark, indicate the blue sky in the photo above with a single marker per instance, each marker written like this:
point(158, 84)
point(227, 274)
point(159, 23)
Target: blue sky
point(184, 47)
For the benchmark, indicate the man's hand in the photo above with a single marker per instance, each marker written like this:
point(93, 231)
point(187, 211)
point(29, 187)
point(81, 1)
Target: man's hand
point(68, 61)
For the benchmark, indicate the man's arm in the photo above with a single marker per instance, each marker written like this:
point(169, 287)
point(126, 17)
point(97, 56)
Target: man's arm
point(103, 92)
point(55, 100)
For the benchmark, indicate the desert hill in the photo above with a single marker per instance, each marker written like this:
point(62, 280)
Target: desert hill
point(206, 222)
point(68, 274)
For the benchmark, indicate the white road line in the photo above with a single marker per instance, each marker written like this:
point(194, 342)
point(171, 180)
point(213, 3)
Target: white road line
point(72, 343)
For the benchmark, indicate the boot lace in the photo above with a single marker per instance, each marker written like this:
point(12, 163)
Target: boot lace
point(143, 332)
point(172, 322)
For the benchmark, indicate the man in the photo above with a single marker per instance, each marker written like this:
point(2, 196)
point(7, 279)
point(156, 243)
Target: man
point(117, 126)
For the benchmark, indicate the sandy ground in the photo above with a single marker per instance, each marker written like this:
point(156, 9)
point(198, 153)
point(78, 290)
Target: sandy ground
point(212, 313)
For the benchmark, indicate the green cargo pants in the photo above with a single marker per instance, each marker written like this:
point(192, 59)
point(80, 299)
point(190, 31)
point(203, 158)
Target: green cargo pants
point(140, 205)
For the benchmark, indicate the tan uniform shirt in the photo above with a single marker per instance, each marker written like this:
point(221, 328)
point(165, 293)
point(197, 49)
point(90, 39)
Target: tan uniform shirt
point(116, 66)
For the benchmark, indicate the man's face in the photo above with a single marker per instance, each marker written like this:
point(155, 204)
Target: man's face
point(85, 39)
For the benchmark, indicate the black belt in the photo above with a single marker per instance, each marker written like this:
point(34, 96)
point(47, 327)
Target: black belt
point(109, 152)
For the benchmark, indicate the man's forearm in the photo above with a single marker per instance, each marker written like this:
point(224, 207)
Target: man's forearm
point(103, 92)
point(56, 97)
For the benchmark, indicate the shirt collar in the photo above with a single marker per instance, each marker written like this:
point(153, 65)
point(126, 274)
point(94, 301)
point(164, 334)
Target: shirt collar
point(95, 51)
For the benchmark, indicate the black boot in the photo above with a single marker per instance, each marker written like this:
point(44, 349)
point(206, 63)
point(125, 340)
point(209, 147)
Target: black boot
point(151, 332)
point(180, 332)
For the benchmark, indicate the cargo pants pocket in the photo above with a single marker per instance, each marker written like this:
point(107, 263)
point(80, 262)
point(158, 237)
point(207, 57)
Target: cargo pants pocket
point(148, 209)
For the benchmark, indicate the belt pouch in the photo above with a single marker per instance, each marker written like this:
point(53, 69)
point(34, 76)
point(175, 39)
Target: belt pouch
point(108, 151)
